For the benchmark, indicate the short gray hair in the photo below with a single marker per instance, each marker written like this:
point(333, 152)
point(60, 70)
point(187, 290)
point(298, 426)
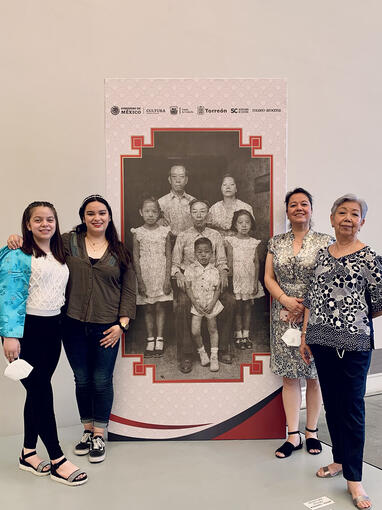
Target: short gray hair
point(349, 197)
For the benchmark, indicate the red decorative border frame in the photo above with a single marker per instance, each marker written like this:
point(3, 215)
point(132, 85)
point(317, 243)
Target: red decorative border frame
point(255, 368)
point(137, 143)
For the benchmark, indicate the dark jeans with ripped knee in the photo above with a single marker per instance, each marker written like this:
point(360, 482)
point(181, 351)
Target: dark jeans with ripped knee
point(93, 367)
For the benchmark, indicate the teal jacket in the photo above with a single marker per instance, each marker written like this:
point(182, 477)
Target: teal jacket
point(15, 272)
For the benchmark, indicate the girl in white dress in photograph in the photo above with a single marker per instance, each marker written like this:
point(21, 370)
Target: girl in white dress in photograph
point(152, 263)
point(244, 261)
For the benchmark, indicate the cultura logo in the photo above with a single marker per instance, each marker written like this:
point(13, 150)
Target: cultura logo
point(114, 110)
point(173, 110)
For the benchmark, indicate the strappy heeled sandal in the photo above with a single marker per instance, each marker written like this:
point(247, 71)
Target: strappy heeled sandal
point(72, 479)
point(288, 448)
point(312, 443)
point(39, 470)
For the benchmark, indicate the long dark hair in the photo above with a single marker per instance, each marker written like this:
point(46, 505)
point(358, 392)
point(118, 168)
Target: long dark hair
point(30, 247)
point(115, 245)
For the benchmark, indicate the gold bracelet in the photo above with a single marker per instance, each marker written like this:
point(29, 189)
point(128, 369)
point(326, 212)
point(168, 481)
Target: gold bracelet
point(282, 294)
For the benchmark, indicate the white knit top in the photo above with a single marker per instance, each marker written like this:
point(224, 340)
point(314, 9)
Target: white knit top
point(46, 294)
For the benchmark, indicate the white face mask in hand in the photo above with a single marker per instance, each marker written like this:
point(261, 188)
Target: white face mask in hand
point(292, 336)
point(18, 369)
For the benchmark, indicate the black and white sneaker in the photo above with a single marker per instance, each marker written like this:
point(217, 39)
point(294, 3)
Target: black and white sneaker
point(97, 449)
point(83, 447)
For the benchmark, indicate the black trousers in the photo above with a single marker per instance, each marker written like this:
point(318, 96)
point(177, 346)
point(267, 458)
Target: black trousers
point(41, 347)
point(343, 385)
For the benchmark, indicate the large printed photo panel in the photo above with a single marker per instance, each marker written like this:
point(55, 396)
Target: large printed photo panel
point(197, 191)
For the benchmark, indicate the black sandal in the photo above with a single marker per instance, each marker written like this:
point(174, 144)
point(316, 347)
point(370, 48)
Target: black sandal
point(72, 479)
point(39, 470)
point(288, 448)
point(312, 443)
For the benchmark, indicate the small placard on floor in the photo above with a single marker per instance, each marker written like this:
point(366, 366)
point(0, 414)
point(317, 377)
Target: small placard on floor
point(314, 504)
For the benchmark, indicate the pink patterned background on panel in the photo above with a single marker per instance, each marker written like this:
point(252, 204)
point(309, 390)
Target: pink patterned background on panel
point(144, 409)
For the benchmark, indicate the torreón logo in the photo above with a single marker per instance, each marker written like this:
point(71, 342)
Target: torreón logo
point(202, 110)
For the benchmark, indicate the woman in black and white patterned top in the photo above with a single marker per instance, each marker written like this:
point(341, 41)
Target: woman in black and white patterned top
point(345, 294)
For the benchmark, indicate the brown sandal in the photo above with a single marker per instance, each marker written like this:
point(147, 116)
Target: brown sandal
point(327, 473)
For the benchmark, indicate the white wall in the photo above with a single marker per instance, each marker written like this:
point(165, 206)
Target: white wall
point(55, 56)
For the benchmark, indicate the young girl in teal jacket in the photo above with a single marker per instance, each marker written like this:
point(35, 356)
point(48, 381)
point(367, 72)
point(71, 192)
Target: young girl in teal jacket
point(32, 291)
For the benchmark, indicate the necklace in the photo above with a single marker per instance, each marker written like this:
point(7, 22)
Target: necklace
point(94, 246)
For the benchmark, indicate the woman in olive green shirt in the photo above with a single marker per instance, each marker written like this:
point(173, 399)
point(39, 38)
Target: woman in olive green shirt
point(100, 303)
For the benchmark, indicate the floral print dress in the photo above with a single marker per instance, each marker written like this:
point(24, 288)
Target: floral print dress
point(293, 274)
point(152, 245)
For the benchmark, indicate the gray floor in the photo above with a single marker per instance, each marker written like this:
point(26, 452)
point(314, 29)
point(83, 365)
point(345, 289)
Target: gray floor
point(376, 362)
point(224, 475)
point(373, 442)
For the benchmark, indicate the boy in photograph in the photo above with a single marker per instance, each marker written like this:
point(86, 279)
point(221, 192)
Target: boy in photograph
point(203, 288)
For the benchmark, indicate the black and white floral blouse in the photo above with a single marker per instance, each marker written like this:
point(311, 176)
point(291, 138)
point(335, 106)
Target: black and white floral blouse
point(343, 295)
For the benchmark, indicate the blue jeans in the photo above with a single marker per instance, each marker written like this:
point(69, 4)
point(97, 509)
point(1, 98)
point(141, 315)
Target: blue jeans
point(93, 367)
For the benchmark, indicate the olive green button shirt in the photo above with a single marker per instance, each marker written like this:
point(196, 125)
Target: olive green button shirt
point(99, 293)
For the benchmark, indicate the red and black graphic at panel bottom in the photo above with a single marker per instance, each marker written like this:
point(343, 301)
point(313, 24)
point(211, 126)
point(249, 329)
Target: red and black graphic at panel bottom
point(256, 422)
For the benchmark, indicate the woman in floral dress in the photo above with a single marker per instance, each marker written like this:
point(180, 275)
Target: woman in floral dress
point(289, 265)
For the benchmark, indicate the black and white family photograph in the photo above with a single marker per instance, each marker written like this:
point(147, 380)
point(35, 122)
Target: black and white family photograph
point(197, 222)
